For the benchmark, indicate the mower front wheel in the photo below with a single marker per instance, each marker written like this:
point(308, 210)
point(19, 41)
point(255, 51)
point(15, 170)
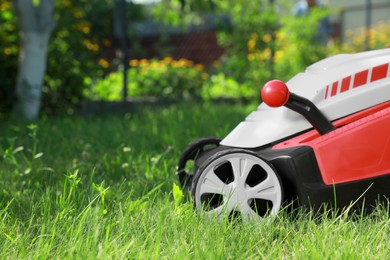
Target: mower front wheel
point(237, 183)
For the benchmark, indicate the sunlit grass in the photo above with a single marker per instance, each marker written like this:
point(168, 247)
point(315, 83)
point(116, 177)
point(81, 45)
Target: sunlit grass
point(103, 187)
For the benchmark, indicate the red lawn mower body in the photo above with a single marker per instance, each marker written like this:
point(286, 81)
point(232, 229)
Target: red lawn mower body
point(323, 138)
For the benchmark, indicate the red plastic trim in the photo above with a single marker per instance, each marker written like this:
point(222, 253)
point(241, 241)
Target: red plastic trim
point(345, 84)
point(334, 88)
point(358, 149)
point(326, 91)
point(360, 78)
point(379, 72)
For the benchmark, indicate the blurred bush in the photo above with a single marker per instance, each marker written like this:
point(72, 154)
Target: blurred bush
point(170, 79)
point(167, 78)
point(76, 51)
point(221, 85)
point(248, 41)
point(262, 41)
point(295, 50)
point(379, 37)
point(9, 49)
point(297, 43)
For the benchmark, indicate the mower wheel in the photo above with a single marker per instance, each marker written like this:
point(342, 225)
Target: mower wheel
point(185, 171)
point(237, 183)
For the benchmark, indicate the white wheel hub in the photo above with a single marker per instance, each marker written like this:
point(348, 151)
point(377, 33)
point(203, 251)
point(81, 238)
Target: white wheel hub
point(238, 182)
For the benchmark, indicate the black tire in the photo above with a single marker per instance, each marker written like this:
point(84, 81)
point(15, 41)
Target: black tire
point(191, 153)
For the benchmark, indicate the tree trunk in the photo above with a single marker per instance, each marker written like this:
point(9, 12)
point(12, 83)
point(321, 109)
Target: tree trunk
point(36, 24)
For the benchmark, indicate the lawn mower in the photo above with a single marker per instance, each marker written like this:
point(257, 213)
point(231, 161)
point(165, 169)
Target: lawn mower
point(321, 140)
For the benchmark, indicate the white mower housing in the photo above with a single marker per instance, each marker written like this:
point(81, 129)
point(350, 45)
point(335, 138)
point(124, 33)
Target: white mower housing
point(339, 86)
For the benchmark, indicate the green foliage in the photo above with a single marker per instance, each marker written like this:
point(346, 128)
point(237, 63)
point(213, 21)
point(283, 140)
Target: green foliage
point(110, 88)
point(248, 18)
point(76, 50)
point(298, 44)
point(356, 40)
point(248, 42)
point(36, 2)
point(9, 49)
point(181, 12)
point(262, 41)
point(222, 86)
point(82, 30)
point(170, 79)
point(165, 78)
point(168, 12)
point(177, 196)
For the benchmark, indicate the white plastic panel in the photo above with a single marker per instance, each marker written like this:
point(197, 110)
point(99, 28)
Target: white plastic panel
point(267, 125)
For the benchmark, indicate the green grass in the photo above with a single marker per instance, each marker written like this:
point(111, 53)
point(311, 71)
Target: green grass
point(103, 188)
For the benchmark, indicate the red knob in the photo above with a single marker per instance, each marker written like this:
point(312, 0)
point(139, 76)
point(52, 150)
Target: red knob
point(275, 93)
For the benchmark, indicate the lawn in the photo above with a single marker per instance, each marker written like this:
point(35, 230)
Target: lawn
point(104, 188)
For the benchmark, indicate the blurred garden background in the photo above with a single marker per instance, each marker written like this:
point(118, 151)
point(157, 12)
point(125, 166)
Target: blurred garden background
point(183, 49)
point(83, 181)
